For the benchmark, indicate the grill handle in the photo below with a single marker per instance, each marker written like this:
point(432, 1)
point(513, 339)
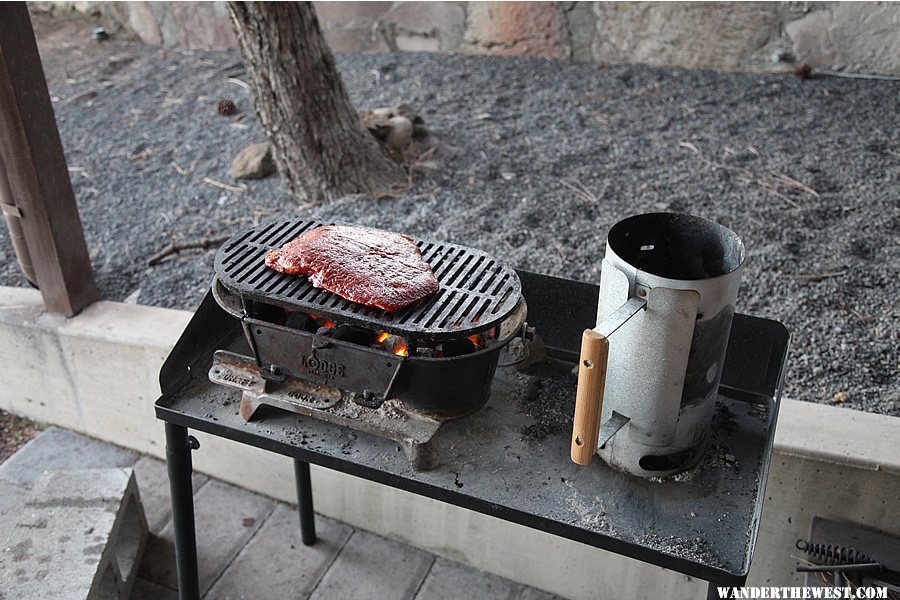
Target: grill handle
point(592, 380)
point(589, 396)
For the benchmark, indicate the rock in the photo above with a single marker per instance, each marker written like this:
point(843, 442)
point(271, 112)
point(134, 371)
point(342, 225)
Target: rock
point(781, 55)
point(142, 21)
point(253, 162)
point(426, 26)
point(337, 14)
point(578, 20)
point(417, 43)
point(132, 298)
point(841, 397)
point(353, 26)
point(381, 116)
point(394, 126)
point(200, 25)
point(829, 37)
point(400, 131)
point(705, 35)
point(376, 121)
point(426, 167)
point(513, 28)
point(405, 110)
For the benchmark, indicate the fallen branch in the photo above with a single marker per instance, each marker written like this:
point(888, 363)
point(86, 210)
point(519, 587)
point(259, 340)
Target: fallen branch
point(431, 195)
point(229, 71)
point(859, 75)
point(863, 318)
point(690, 147)
point(582, 191)
point(772, 190)
point(559, 250)
point(194, 162)
point(791, 182)
point(396, 191)
point(224, 186)
point(238, 82)
point(174, 248)
point(770, 185)
point(80, 170)
point(141, 154)
point(178, 168)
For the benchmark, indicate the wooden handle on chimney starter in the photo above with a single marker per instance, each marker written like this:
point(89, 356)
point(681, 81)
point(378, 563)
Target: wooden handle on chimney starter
point(589, 395)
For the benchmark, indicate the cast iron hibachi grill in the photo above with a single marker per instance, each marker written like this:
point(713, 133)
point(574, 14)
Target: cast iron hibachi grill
point(398, 374)
point(476, 292)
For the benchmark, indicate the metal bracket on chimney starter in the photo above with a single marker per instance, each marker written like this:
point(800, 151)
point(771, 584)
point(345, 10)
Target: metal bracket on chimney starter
point(611, 428)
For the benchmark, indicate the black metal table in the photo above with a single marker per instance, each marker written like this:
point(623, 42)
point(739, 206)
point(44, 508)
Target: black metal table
point(703, 523)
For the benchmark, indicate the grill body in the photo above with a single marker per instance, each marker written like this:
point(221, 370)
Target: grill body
point(478, 295)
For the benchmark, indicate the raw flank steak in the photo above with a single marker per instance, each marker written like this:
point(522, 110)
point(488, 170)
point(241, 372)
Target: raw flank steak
point(367, 266)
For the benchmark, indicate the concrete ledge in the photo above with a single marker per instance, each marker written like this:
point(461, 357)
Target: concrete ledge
point(97, 374)
point(839, 436)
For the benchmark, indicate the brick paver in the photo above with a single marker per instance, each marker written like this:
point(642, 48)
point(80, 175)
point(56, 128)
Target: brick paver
point(153, 481)
point(371, 567)
point(450, 580)
point(276, 564)
point(249, 546)
point(226, 518)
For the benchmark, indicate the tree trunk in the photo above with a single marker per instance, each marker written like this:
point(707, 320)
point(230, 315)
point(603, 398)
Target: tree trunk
point(320, 147)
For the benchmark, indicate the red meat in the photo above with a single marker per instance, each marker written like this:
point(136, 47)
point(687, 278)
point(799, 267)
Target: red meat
point(368, 266)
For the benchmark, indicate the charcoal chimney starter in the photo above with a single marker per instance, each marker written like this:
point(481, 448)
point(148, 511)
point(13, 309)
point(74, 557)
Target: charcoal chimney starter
point(668, 287)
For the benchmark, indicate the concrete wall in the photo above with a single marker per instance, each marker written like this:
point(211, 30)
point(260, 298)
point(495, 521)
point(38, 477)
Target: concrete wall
point(97, 374)
point(851, 36)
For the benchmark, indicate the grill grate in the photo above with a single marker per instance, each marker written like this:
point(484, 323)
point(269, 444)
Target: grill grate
point(477, 291)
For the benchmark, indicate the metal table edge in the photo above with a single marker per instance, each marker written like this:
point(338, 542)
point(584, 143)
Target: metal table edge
point(766, 461)
point(172, 381)
point(596, 540)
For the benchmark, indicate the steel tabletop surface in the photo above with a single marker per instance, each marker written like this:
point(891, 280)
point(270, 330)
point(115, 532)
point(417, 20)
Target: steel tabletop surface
point(702, 523)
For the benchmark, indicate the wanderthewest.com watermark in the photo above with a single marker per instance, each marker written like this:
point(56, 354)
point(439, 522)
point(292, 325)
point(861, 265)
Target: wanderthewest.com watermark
point(767, 593)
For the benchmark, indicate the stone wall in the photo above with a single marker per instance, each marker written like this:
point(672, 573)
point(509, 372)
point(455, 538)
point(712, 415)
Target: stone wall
point(847, 36)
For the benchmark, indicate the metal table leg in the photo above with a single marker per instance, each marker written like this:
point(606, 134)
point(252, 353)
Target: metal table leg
point(178, 460)
point(712, 593)
point(305, 502)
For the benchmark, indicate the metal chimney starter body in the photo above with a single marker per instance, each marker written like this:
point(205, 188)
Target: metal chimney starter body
point(668, 288)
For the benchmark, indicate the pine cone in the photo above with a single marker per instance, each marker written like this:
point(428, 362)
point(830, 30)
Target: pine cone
point(226, 108)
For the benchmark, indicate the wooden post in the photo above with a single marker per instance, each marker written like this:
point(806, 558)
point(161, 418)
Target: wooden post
point(32, 154)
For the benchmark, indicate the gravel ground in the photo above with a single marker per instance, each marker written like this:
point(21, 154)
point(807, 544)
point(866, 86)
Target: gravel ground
point(15, 432)
point(547, 157)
